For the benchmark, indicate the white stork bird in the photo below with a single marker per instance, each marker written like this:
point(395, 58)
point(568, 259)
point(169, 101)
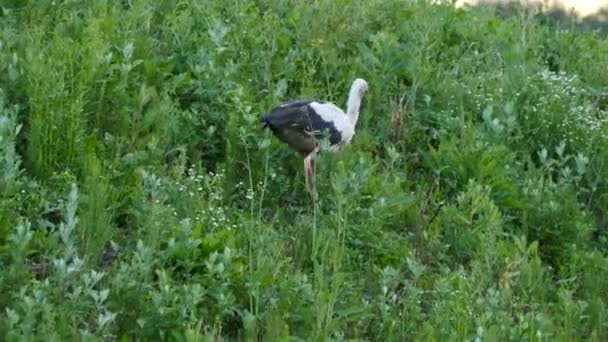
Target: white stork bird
point(302, 124)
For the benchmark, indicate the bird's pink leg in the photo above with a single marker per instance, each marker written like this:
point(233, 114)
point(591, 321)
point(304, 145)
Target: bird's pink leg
point(309, 168)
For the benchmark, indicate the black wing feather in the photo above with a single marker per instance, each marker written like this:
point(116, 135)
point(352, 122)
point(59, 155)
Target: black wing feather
point(290, 114)
point(299, 118)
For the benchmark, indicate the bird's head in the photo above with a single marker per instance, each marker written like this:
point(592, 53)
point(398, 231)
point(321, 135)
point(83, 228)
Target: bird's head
point(355, 101)
point(360, 87)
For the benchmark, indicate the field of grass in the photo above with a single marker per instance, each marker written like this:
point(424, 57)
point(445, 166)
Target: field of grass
point(140, 198)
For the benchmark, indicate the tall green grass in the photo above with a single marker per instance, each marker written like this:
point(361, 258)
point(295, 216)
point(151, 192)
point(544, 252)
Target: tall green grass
point(140, 198)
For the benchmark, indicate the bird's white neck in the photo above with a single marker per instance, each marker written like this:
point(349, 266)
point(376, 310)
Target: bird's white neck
point(353, 104)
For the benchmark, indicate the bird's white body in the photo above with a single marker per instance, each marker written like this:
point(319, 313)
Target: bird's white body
point(329, 112)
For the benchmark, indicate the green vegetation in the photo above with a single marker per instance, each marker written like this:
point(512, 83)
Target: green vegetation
point(139, 197)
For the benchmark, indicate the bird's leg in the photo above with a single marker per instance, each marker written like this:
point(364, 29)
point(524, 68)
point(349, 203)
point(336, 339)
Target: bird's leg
point(309, 168)
point(309, 171)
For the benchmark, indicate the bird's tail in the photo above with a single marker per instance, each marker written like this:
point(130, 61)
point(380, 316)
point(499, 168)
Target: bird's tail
point(265, 122)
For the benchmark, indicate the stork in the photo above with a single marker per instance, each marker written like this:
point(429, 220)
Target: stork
point(303, 124)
